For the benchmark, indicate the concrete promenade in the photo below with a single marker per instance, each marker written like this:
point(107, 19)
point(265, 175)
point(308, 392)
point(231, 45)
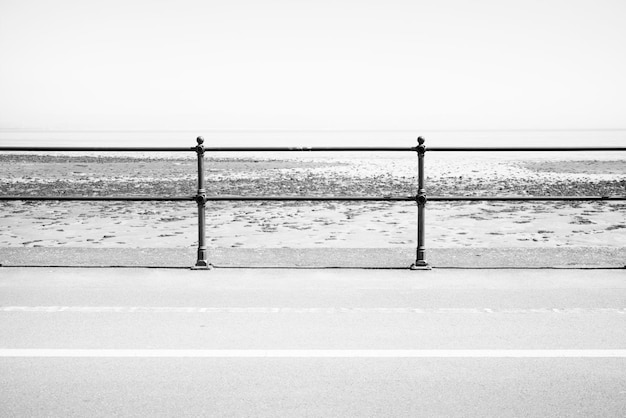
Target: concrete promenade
point(312, 342)
point(472, 257)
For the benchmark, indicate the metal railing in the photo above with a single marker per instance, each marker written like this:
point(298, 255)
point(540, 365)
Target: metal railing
point(201, 197)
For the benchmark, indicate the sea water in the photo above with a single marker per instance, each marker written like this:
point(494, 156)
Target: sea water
point(294, 138)
point(326, 138)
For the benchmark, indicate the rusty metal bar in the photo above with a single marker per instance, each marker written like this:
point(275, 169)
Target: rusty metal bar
point(201, 262)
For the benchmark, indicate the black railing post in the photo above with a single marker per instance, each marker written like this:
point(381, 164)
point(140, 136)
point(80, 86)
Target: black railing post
point(420, 260)
point(201, 263)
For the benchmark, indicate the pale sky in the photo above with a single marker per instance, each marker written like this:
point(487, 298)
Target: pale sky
point(338, 64)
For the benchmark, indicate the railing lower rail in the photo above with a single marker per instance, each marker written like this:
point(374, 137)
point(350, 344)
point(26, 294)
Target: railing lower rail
point(201, 196)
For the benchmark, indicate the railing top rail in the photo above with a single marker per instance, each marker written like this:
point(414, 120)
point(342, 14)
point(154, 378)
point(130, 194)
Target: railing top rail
point(522, 149)
point(206, 149)
point(314, 149)
point(310, 149)
point(101, 149)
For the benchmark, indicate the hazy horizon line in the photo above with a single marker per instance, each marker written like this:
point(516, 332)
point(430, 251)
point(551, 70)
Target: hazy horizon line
point(314, 130)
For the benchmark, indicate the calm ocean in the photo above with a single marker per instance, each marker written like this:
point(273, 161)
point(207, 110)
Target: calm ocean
point(314, 138)
point(332, 138)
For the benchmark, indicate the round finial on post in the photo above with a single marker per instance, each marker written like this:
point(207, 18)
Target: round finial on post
point(200, 147)
point(421, 148)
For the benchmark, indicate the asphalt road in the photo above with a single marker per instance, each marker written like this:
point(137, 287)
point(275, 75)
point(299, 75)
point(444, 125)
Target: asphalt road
point(311, 342)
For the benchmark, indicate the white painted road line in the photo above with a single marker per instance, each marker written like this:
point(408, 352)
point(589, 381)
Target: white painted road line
point(320, 310)
point(157, 353)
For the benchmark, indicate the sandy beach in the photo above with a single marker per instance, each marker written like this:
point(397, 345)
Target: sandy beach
point(312, 224)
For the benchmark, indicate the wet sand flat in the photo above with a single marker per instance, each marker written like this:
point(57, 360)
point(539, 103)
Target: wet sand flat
point(311, 224)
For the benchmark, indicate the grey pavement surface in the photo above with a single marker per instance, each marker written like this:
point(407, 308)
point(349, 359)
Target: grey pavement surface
point(226, 309)
point(318, 257)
